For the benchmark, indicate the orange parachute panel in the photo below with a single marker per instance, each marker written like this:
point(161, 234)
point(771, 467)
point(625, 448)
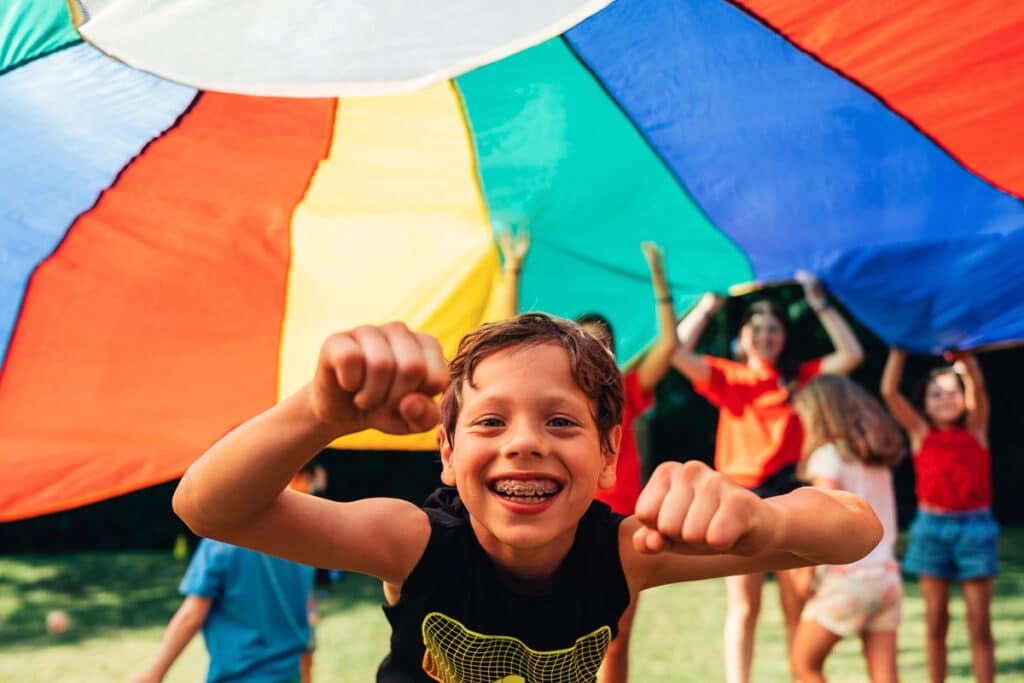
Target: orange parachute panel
point(157, 321)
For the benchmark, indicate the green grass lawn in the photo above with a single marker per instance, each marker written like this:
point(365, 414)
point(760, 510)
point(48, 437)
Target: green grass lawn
point(119, 603)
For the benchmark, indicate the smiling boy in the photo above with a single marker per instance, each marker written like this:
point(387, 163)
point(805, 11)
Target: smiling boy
point(516, 574)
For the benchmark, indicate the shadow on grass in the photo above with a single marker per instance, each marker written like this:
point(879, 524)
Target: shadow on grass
point(103, 592)
point(1004, 667)
point(100, 591)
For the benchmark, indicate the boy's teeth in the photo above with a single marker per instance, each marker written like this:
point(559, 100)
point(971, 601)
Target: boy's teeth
point(526, 487)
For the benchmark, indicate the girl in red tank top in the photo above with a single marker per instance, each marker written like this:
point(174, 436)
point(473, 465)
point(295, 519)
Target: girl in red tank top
point(953, 471)
point(953, 537)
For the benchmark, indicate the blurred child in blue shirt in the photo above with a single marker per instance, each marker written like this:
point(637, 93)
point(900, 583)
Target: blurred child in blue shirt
point(252, 609)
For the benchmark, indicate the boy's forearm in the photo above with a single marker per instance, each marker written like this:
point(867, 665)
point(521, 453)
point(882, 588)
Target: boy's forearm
point(174, 643)
point(825, 527)
point(245, 472)
point(181, 629)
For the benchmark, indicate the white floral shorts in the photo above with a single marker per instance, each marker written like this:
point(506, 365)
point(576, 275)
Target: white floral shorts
point(850, 601)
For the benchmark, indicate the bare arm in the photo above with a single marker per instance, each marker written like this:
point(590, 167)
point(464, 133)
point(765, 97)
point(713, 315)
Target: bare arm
point(688, 332)
point(693, 324)
point(848, 353)
point(803, 578)
point(371, 377)
point(656, 361)
point(901, 409)
point(513, 248)
point(975, 395)
point(693, 523)
point(182, 627)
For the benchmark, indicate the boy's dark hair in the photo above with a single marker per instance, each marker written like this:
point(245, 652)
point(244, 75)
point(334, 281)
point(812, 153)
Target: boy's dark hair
point(786, 364)
point(921, 388)
point(592, 366)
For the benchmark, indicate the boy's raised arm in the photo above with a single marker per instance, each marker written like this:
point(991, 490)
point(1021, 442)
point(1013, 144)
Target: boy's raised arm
point(371, 377)
point(693, 523)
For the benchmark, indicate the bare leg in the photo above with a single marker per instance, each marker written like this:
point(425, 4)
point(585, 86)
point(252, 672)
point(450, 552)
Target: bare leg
point(615, 667)
point(978, 598)
point(744, 604)
point(792, 603)
point(935, 592)
point(811, 644)
point(880, 656)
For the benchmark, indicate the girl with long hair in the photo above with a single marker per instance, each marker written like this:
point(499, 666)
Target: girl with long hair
point(850, 443)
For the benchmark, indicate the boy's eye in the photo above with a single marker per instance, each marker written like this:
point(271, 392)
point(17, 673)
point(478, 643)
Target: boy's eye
point(561, 422)
point(489, 422)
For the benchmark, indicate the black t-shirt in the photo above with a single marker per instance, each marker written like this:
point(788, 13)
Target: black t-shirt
point(457, 621)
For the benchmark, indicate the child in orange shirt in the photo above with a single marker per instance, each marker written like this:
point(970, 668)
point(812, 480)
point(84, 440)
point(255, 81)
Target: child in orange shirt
point(759, 436)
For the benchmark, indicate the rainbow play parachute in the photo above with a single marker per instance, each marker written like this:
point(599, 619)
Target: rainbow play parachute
point(171, 257)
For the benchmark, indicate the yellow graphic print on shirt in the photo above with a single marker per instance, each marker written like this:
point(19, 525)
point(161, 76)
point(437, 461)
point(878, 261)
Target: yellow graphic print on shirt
point(455, 654)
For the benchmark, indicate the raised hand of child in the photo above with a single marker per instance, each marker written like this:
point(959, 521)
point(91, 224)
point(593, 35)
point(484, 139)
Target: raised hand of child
point(814, 291)
point(689, 508)
point(655, 256)
point(380, 377)
point(513, 247)
point(961, 360)
point(710, 303)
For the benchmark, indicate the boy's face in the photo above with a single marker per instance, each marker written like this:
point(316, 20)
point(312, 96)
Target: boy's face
point(527, 458)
